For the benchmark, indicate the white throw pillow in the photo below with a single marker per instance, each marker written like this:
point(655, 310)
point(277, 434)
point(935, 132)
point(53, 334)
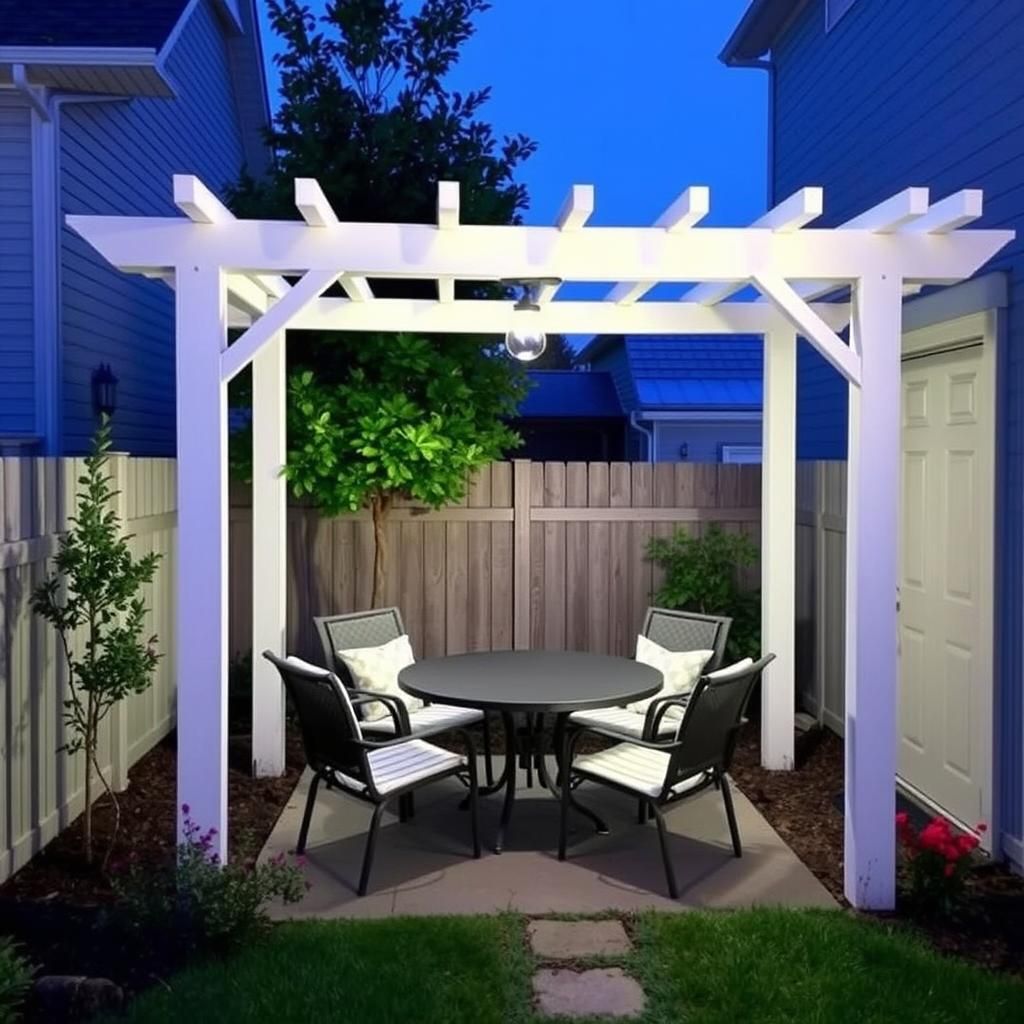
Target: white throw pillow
point(737, 668)
point(680, 671)
point(377, 668)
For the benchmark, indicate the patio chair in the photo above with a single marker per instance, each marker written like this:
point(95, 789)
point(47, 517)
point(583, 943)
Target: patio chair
point(371, 629)
point(675, 631)
point(662, 773)
point(369, 770)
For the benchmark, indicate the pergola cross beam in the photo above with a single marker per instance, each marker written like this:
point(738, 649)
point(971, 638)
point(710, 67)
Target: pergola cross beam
point(214, 258)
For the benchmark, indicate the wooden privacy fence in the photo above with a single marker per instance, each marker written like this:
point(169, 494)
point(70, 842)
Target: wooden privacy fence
point(41, 789)
point(821, 589)
point(545, 555)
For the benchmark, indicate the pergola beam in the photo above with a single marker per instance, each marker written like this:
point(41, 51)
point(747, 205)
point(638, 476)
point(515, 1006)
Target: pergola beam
point(487, 253)
point(687, 210)
point(314, 206)
point(490, 316)
point(447, 205)
point(790, 215)
point(955, 211)
point(577, 208)
point(892, 214)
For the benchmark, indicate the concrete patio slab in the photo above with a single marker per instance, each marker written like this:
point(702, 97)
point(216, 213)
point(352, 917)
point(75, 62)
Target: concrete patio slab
point(606, 992)
point(572, 940)
point(423, 866)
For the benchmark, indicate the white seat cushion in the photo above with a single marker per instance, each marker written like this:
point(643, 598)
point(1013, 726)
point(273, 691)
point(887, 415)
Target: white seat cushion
point(636, 768)
point(631, 723)
point(679, 670)
point(377, 668)
point(392, 768)
point(433, 716)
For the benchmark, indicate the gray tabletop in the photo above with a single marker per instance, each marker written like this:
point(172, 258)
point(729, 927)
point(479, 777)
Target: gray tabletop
point(555, 681)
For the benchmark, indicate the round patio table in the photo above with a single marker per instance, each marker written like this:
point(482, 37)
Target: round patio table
point(530, 684)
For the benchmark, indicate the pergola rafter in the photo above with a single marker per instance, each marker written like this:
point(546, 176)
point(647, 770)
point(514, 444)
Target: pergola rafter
point(231, 271)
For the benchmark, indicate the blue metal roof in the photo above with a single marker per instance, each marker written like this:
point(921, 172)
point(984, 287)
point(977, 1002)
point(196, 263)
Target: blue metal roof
point(570, 393)
point(700, 394)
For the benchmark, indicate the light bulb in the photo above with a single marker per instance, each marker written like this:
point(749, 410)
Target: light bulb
point(526, 345)
point(525, 340)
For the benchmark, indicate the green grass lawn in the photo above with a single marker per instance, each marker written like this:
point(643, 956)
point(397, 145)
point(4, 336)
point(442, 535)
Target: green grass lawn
point(772, 967)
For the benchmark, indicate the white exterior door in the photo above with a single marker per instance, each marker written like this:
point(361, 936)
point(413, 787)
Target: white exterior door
point(946, 739)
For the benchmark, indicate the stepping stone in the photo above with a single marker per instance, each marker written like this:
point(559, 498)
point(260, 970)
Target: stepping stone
point(572, 940)
point(608, 992)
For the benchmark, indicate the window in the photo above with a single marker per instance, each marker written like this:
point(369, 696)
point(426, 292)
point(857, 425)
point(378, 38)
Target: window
point(746, 453)
point(834, 10)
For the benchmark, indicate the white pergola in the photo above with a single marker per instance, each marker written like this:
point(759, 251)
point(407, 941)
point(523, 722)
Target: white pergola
point(229, 272)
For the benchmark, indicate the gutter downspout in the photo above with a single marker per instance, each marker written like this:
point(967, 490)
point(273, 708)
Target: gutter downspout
point(648, 433)
point(762, 64)
point(47, 224)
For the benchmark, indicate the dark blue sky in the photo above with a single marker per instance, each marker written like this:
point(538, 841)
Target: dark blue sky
point(625, 94)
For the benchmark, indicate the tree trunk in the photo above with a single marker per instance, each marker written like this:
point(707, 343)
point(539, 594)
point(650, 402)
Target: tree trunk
point(379, 509)
point(90, 744)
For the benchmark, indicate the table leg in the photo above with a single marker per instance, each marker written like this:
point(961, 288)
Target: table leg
point(509, 778)
point(556, 787)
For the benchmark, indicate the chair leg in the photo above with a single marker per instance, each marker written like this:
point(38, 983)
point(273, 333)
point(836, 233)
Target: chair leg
point(488, 766)
point(307, 815)
point(563, 822)
point(670, 875)
point(474, 816)
point(730, 813)
point(641, 812)
point(371, 843)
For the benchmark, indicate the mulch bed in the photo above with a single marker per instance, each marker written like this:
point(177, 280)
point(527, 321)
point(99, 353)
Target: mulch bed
point(54, 906)
point(804, 807)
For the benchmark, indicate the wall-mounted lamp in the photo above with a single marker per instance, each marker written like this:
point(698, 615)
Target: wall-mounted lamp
point(104, 390)
point(525, 340)
point(684, 450)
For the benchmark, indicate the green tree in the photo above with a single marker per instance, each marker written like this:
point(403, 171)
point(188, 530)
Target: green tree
point(411, 418)
point(365, 110)
point(94, 597)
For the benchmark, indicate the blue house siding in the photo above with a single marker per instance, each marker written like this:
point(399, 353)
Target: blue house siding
point(930, 94)
point(822, 401)
point(17, 345)
point(118, 158)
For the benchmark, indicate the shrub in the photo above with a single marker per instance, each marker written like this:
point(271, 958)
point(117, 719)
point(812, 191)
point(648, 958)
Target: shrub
point(15, 979)
point(199, 903)
point(937, 862)
point(702, 575)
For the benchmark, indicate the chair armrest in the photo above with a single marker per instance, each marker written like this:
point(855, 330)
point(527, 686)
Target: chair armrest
point(395, 705)
point(422, 734)
point(652, 723)
point(622, 737)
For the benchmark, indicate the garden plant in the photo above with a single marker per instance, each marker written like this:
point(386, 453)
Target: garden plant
point(15, 979)
point(937, 861)
point(702, 574)
point(93, 601)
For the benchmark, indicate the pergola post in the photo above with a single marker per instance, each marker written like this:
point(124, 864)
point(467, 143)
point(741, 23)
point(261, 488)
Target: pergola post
point(872, 577)
point(778, 548)
point(202, 596)
point(269, 554)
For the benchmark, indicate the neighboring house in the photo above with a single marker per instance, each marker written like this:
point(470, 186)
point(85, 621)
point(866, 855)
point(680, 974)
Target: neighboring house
point(570, 416)
point(868, 97)
point(100, 103)
point(692, 399)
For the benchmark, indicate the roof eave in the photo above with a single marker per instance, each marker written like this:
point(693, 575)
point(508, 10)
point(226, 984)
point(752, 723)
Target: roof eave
point(762, 23)
point(106, 70)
